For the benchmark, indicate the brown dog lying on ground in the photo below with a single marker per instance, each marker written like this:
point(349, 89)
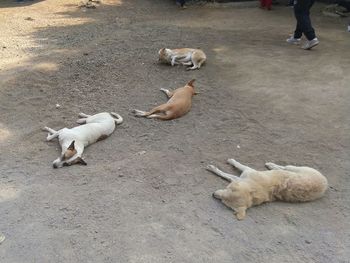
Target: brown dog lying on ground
point(284, 183)
point(179, 103)
point(194, 58)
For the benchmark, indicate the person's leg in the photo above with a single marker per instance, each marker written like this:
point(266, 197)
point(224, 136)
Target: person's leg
point(262, 3)
point(309, 32)
point(302, 14)
point(298, 16)
point(268, 4)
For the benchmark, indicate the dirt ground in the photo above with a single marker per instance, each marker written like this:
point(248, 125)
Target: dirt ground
point(145, 195)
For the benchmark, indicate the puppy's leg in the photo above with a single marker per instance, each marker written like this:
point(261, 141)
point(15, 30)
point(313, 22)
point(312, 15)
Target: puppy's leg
point(83, 115)
point(167, 92)
point(226, 176)
point(82, 120)
point(173, 61)
point(195, 66)
point(239, 166)
point(189, 63)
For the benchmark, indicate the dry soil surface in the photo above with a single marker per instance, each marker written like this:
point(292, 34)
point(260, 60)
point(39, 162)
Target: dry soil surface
point(145, 195)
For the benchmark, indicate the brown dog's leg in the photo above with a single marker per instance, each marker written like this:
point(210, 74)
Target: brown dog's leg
point(160, 108)
point(168, 93)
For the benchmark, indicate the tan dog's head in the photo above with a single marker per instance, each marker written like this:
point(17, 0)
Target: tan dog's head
point(163, 55)
point(237, 196)
point(69, 157)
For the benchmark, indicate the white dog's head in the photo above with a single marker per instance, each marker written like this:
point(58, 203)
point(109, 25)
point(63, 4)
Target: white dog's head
point(68, 157)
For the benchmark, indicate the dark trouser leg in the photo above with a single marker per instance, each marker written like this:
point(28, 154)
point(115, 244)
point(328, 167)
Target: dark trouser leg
point(302, 15)
point(181, 2)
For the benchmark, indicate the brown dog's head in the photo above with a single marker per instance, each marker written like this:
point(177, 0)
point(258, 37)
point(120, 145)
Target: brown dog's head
point(237, 196)
point(68, 157)
point(191, 86)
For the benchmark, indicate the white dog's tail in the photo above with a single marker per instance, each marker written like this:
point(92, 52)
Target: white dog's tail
point(118, 119)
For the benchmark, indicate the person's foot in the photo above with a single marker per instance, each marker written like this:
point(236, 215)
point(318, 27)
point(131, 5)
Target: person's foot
point(310, 44)
point(292, 40)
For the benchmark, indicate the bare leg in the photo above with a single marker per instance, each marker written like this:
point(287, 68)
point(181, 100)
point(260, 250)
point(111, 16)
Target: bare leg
point(167, 92)
point(239, 166)
point(226, 176)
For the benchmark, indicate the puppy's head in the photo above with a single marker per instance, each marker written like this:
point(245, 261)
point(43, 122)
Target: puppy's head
point(163, 55)
point(68, 157)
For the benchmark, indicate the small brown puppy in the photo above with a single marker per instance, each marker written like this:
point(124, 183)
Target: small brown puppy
point(192, 57)
point(285, 183)
point(179, 103)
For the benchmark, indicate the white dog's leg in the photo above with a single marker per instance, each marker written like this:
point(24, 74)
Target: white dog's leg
point(239, 166)
point(226, 176)
point(83, 115)
point(167, 92)
point(173, 60)
point(52, 133)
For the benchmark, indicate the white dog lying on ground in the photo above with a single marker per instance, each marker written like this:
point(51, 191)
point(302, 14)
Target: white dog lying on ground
point(285, 183)
point(194, 58)
point(73, 141)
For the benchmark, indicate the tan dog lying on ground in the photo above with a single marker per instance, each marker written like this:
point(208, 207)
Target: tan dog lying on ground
point(185, 56)
point(284, 183)
point(179, 103)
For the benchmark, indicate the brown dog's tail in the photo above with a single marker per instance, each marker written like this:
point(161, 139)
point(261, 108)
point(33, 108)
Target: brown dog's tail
point(190, 83)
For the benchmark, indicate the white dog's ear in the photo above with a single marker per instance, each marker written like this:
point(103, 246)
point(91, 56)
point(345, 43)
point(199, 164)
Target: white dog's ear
point(71, 146)
point(81, 161)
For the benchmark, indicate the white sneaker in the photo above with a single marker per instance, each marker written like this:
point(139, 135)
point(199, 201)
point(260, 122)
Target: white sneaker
point(310, 44)
point(292, 40)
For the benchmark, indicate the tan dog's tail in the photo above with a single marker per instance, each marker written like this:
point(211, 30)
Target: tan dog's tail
point(190, 83)
point(118, 119)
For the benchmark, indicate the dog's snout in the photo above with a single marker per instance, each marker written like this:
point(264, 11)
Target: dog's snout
point(54, 166)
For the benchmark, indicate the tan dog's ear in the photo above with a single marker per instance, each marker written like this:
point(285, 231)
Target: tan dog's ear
point(71, 146)
point(190, 83)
